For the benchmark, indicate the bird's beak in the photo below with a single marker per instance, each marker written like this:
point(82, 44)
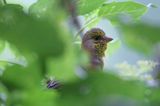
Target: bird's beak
point(107, 39)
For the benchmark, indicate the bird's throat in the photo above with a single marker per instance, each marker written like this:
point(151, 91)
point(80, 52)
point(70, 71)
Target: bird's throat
point(100, 49)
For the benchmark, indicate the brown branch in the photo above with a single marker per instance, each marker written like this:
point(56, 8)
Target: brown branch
point(72, 9)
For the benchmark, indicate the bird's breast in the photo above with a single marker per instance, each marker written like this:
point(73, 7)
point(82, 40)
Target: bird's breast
point(100, 48)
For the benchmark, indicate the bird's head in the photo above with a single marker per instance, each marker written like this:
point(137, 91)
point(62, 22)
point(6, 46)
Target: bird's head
point(95, 41)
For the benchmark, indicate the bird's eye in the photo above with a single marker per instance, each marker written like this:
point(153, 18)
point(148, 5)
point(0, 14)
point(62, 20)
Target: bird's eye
point(97, 38)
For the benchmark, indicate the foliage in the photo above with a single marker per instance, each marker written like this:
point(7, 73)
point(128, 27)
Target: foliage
point(132, 8)
point(39, 43)
point(144, 35)
point(86, 6)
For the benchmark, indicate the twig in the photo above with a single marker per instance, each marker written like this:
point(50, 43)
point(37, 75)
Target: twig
point(43, 65)
point(86, 24)
point(72, 9)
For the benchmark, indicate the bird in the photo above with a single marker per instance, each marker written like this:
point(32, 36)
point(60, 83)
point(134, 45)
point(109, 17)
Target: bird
point(94, 42)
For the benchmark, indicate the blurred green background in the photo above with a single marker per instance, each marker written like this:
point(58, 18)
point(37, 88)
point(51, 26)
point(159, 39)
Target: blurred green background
point(38, 39)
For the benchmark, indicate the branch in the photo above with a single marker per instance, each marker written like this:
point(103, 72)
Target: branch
point(72, 9)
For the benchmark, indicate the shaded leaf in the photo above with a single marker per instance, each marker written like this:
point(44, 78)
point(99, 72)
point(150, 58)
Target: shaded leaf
point(1, 2)
point(4, 95)
point(63, 68)
point(34, 97)
point(140, 36)
point(16, 77)
point(27, 33)
point(98, 86)
point(154, 96)
point(2, 45)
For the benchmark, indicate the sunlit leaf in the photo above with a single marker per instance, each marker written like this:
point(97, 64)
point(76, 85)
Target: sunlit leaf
point(47, 9)
point(86, 6)
point(11, 56)
point(25, 3)
point(151, 5)
point(141, 37)
point(92, 19)
point(129, 7)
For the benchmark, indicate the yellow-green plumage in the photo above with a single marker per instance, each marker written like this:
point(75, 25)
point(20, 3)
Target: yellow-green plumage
point(100, 49)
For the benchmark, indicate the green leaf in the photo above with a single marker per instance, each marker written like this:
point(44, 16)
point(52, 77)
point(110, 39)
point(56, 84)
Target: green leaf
point(47, 9)
point(17, 77)
point(42, 8)
point(2, 45)
point(39, 97)
point(1, 2)
point(154, 96)
point(30, 34)
point(99, 88)
point(92, 19)
point(3, 95)
point(3, 65)
point(11, 55)
point(87, 6)
point(24, 3)
point(63, 68)
point(131, 8)
point(140, 36)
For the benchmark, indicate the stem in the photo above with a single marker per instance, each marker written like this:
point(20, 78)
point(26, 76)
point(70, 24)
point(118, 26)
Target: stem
point(43, 65)
point(86, 24)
